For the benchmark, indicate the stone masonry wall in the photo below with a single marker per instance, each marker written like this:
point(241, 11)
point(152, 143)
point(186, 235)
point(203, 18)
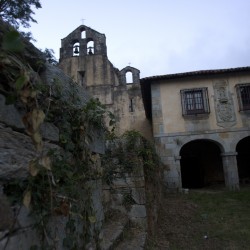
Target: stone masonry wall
point(17, 149)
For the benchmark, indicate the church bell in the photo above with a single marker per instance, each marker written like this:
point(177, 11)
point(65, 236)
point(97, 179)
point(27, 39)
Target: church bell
point(90, 51)
point(76, 51)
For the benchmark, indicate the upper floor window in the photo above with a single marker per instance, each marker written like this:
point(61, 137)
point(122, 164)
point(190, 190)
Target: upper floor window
point(243, 92)
point(194, 101)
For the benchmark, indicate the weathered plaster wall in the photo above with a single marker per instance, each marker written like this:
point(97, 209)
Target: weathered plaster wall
point(170, 101)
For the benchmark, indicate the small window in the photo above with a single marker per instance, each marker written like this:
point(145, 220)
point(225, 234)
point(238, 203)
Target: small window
point(81, 79)
point(129, 77)
point(243, 92)
point(83, 34)
point(131, 105)
point(194, 101)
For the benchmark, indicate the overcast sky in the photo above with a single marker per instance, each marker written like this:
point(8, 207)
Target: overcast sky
point(156, 36)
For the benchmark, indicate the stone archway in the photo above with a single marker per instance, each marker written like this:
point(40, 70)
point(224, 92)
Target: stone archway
point(201, 164)
point(243, 160)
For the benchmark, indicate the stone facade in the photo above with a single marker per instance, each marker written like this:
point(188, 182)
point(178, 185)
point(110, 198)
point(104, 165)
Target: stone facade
point(93, 70)
point(191, 112)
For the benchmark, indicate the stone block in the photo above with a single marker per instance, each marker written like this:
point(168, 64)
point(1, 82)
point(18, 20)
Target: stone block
point(155, 91)
point(16, 151)
point(50, 132)
point(106, 196)
point(137, 211)
point(138, 195)
point(6, 215)
point(224, 135)
point(9, 115)
point(117, 199)
point(157, 114)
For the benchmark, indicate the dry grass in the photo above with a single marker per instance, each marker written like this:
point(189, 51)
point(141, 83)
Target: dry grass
point(204, 219)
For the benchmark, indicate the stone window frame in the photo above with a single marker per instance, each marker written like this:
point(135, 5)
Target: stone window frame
point(194, 101)
point(243, 95)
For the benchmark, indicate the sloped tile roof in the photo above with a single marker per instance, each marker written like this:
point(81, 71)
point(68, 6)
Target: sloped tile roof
point(196, 73)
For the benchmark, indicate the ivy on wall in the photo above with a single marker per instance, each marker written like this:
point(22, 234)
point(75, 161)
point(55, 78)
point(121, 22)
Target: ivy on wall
point(129, 154)
point(132, 153)
point(57, 184)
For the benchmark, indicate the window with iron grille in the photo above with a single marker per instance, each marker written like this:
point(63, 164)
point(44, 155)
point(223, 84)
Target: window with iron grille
point(243, 92)
point(194, 101)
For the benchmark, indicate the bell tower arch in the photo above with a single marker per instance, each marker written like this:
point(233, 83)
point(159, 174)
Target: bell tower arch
point(83, 36)
point(83, 56)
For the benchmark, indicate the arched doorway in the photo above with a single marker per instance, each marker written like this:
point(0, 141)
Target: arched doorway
point(201, 164)
point(243, 160)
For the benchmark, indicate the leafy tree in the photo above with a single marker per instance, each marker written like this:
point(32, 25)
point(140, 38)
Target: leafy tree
point(18, 12)
point(28, 36)
point(49, 54)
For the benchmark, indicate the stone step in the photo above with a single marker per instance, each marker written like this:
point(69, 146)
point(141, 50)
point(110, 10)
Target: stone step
point(134, 239)
point(113, 231)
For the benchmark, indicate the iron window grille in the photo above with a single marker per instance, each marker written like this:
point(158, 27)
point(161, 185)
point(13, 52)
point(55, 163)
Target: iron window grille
point(243, 93)
point(194, 101)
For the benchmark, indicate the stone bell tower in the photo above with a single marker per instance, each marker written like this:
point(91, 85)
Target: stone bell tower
point(83, 41)
point(83, 56)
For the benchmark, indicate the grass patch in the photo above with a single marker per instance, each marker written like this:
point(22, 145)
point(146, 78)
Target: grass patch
point(203, 219)
point(225, 215)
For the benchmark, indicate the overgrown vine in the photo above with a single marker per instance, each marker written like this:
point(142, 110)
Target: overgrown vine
point(130, 151)
point(130, 154)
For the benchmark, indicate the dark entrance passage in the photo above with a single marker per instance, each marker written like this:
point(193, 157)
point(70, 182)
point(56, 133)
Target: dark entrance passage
point(243, 160)
point(201, 164)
